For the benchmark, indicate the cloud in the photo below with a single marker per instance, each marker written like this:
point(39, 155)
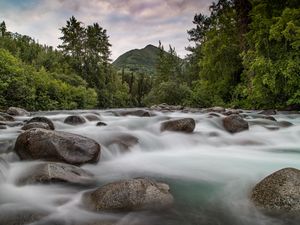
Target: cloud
point(130, 23)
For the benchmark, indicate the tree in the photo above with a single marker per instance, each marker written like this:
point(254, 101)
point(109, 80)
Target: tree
point(3, 29)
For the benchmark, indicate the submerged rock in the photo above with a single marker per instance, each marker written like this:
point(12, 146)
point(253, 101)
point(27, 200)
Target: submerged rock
point(74, 120)
point(268, 112)
point(36, 125)
point(57, 146)
point(129, 195)
point(56, 172)
point(15, 111)
point(186, 125)
point(100, 124)
point(235, 123)
point(41, 119)
point(279, 191)
point(123, 141)
point(92, 117)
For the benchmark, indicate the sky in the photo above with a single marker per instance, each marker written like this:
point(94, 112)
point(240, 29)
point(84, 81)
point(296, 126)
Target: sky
point(130, 24)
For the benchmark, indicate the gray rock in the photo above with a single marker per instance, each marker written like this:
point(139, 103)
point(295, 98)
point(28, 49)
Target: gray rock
point(6, 117)
point(41, 119)
point(3, 127)
point(92, 117)
point(15, 111)
point(268, 112)
point(100, 124)
point(36, 125)
point(285, 124)
point(138, 112)
point(75, 120)
point(56, 172)
point(235, 123)
point(124, 141)
point(129, 195)
point(56, 146)
point(279, 191)
point(186, 125)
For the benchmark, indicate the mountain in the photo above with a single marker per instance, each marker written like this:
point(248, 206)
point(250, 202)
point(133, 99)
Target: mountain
point(139, 60)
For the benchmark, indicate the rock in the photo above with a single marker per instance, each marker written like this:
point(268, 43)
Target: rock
point(74, 120)
point(6, 146)
point(41, 119)
point(279, 191)
point(129, 195)
point(269, 118)
point(268, 112)
point(56, 146)
point(56, 172)
point(186, 125)
point(6, 117)
point(100, 124)
point(217, 109)
point(36, 125)
point(3, 127)
point(92, 117)
point(124, 141)
point(285, 124)
point(15, 111)
point(235, 123)
point(138, 112)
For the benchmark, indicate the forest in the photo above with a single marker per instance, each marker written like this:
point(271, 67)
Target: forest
point(244, 54)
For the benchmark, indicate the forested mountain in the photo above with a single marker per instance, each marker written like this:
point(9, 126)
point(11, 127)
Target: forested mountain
point(139, 60)
point(244, 54)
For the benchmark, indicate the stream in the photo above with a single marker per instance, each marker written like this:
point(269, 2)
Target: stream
point(210, 171)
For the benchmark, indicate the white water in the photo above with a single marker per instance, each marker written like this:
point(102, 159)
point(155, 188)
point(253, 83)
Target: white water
point(210, 172)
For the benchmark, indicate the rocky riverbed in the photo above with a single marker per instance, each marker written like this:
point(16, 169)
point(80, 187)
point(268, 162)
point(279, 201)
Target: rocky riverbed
point(159, 166)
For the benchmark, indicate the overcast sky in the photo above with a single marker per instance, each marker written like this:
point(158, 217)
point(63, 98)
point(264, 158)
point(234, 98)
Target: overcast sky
point(130, 23)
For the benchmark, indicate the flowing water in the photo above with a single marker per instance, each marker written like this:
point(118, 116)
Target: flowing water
point(210, 172)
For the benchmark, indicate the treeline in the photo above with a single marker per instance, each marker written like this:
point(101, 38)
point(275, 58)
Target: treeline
point(246, 55)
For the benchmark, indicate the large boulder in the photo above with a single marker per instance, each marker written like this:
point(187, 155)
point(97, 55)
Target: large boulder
point(235, 123)
point(186, 125)
point(15, 111)
point(36, 125)
point(56, 146)
point(41, 119)
point(129, 195)
point(75, 120)
point(56, 172)
point(279, 191)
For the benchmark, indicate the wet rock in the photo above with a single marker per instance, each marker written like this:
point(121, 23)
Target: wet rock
point(268, 112)
point(216, 109)
point(100, 124)
point(56, 172)
point(41, 119)
point(211, 115)
point(129, 195)
point(123, 141)
point(235, 123)
point(15, 111)
point(56, 146)
point(6, 146)
point(92, 117)
point(3, 127)
point(285, 124)
point(14, 123)
point(269, 118)
point(186, 125)
point(279, 191)
point(138, 112)
point(74, 120)
point(6, 117)
point(232, 111)
point(36, 125)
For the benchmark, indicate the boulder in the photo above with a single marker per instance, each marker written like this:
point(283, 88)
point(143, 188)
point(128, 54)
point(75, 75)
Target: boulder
point(268, 112)
point(56, 172)
point(138, 112)
point(36, 125)
point(92, 117)
point(41, 119)
point(129, 195)
point(279, 192)
point(100, 124)
point(6, 117)
point(186, 125)
point(235, 123)
point(56, 146)
point(75, 120)
point(15, 111)
point(123, 141)
point(285, 124)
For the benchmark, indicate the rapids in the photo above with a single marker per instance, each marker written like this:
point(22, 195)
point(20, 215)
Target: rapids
point(210, 172)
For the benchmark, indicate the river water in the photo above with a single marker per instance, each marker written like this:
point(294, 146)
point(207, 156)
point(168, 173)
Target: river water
point(210, 172)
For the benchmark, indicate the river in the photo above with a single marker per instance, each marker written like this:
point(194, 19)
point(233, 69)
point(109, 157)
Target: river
point(210, 171)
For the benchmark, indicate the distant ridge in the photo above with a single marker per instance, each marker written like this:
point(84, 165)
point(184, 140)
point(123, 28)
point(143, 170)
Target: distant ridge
point(139, 60)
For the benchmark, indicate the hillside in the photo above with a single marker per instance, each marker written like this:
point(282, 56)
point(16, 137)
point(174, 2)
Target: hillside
point(138, 60)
